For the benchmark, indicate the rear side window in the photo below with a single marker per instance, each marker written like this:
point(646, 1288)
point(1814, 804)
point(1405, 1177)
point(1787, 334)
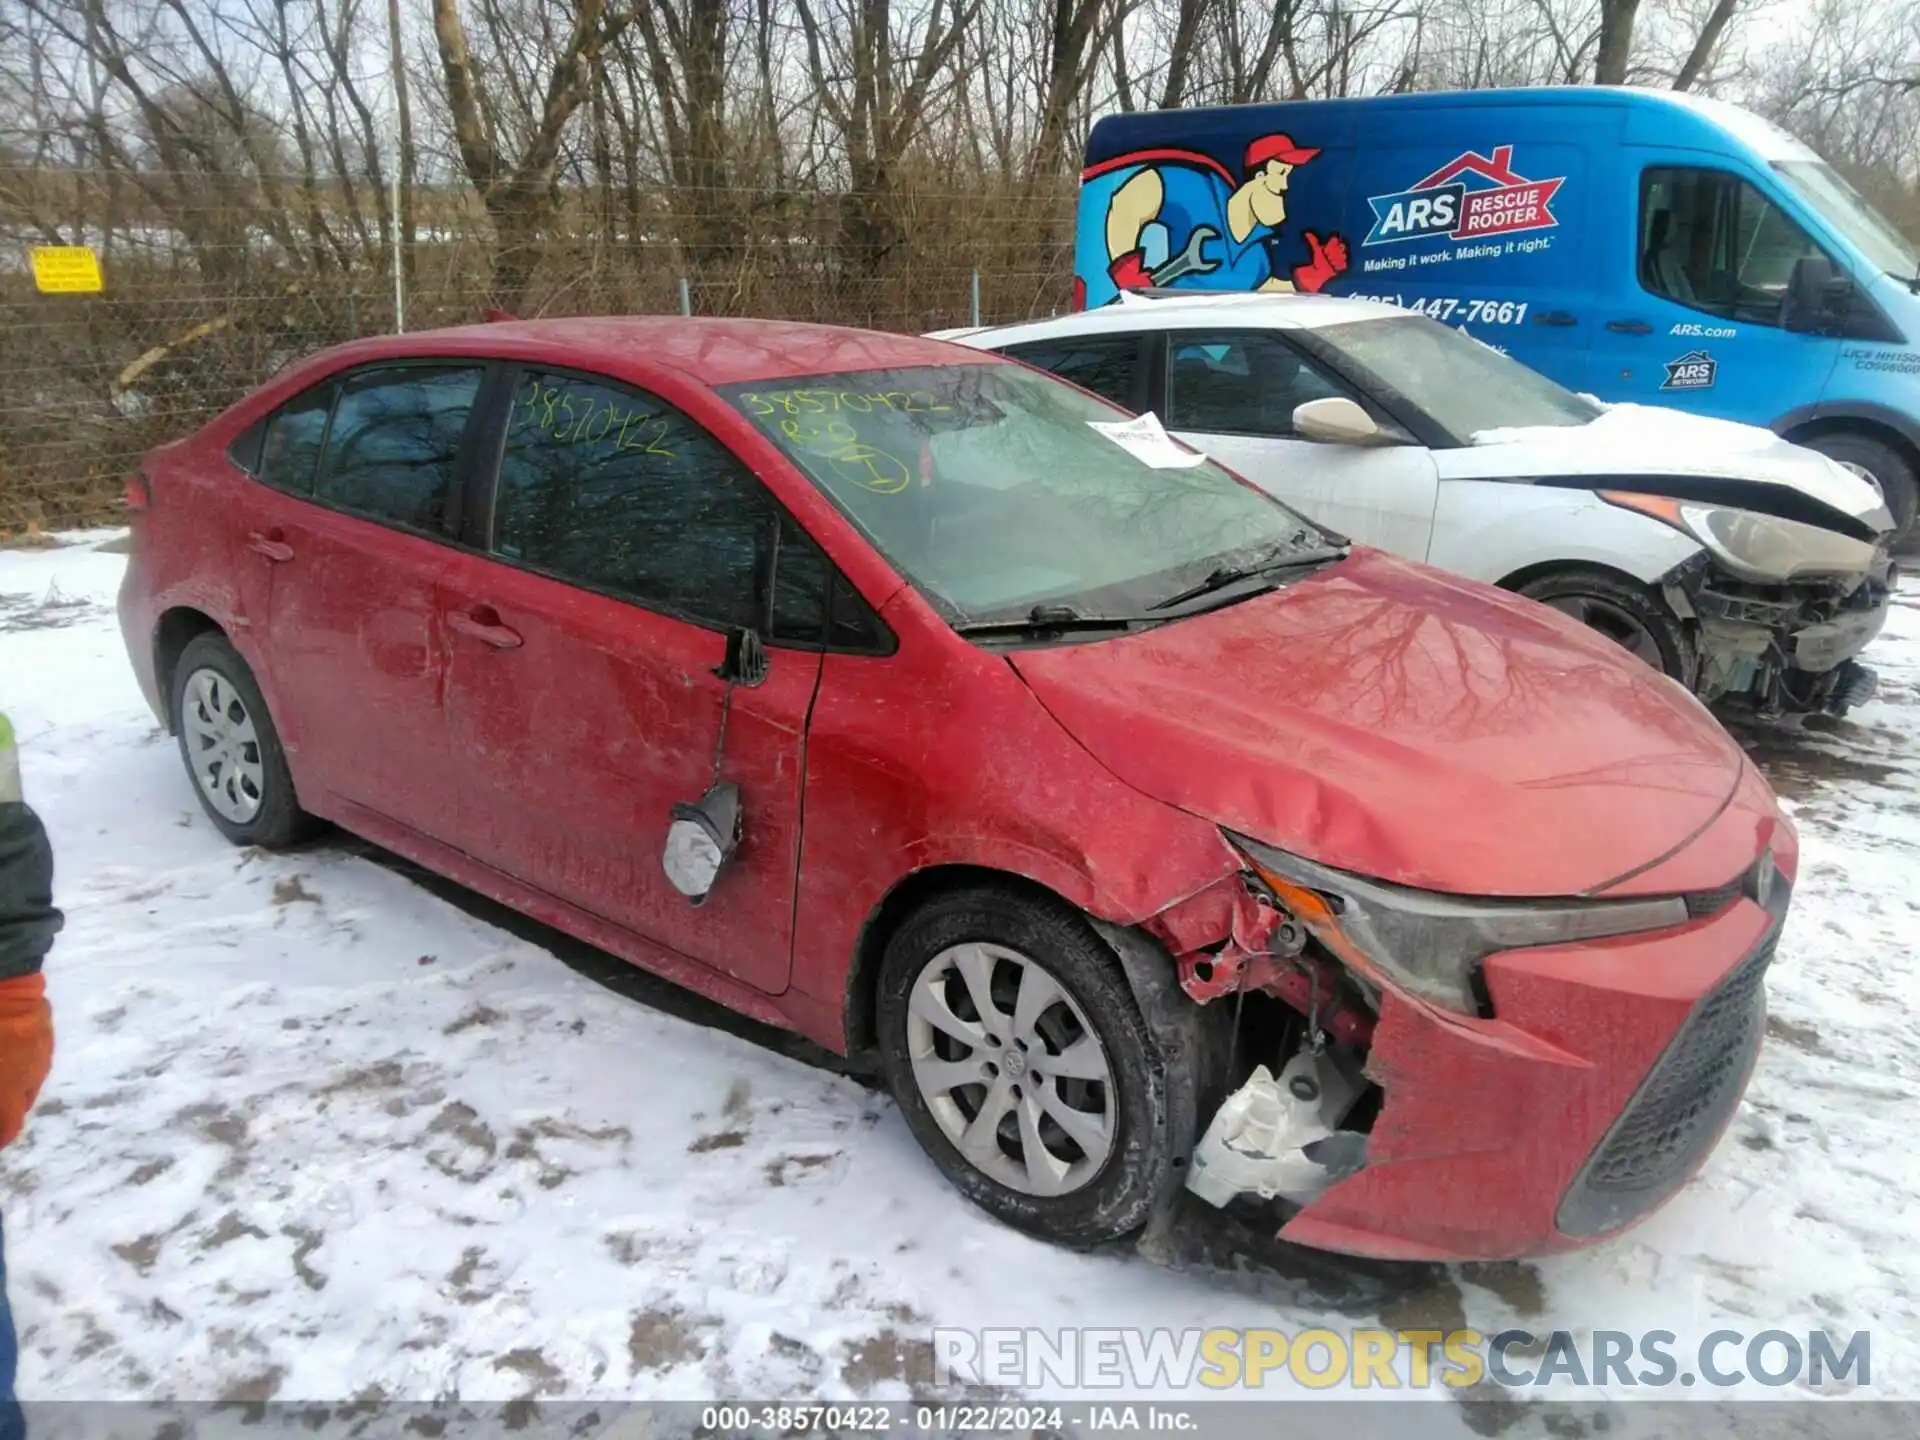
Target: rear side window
point(616, 490)
point(393, 449)
point(284, 449)
point(1711, 241)
point(1241, 384)
point(1108, 365)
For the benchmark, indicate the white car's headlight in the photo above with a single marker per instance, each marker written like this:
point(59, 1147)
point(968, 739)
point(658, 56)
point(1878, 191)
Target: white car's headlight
point(1429, 944)
point(1751, 545)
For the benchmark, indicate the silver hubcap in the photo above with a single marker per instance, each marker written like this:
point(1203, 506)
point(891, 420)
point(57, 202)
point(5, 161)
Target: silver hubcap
point(223, 749)
point(1011, 1070)
point(1614, 623)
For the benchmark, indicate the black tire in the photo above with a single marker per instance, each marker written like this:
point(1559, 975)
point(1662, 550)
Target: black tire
point(279, 821)
point(1890, 470)
point(1610, 601)
point(1149, 1143)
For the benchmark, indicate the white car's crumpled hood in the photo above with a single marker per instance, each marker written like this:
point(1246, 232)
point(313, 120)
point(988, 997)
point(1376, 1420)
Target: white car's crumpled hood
point(1651, 440)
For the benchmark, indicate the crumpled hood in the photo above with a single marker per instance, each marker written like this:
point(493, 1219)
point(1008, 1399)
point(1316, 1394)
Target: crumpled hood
point(1652, 440)
point(1395, 721)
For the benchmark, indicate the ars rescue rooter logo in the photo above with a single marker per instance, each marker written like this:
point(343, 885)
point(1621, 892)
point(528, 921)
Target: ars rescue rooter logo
point(1471, 197)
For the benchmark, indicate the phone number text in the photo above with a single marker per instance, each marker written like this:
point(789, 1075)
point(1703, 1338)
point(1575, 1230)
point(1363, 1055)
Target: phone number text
point(1455, 309)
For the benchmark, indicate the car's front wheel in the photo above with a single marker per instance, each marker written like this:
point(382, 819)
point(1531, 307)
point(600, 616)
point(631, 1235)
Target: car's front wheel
point(1024, 1067)
point(1627, 613)
point(231, 748)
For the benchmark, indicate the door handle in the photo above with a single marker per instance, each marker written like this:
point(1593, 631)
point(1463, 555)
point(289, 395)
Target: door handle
point(1629, 327)
point(482, 623)
point(1560, 318)
point(270, 545)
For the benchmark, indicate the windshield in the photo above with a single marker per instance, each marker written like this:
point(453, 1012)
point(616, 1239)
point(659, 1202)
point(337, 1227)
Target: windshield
point(988, 487)
point(1463, 386)
point(1847, 210)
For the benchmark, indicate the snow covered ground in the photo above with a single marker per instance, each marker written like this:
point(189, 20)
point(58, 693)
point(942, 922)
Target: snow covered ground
point(316, 1132)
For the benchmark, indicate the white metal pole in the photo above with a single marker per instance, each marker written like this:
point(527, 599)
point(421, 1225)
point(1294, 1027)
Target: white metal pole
point(399, 284)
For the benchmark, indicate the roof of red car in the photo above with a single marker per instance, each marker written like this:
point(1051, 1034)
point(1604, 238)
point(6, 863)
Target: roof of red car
point(715, 352)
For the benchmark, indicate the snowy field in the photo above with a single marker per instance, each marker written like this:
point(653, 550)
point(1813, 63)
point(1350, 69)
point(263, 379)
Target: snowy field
point(317, 1130)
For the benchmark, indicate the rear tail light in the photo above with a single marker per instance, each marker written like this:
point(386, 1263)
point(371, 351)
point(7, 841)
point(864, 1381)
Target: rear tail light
point(138, 496)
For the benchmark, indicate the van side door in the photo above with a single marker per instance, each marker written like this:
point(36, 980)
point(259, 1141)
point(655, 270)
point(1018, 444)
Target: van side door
point(1482, 217)
point(1699, 326)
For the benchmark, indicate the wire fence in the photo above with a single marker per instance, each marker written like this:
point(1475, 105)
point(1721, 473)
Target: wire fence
point(204, 303)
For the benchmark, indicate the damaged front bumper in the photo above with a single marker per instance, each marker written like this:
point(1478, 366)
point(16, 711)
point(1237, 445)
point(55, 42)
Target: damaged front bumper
point(1785, 649)
point(1594, 1082)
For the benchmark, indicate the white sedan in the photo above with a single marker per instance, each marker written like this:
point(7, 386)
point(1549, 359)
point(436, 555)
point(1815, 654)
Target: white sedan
point(1747, 568)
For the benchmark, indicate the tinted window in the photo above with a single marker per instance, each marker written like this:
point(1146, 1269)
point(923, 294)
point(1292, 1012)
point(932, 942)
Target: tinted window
point(290, 445)
point(1108, 365)
point(1239, 384)
point(618, 491)
point(394, 444)
point(1712, 242)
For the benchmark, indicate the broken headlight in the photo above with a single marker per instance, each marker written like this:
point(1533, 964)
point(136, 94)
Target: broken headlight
point(1751, 545)
point(1429, 944)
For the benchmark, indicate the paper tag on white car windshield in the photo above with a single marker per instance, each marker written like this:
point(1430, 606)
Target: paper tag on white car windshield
point(1148, 442)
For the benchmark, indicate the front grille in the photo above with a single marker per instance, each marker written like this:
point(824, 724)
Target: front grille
point(1704, 903)
point(1679, 1110)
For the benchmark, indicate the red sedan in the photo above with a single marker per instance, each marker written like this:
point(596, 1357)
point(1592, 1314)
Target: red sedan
point(1140, 831)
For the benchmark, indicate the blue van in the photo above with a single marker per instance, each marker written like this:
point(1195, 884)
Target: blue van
point(1639, 245)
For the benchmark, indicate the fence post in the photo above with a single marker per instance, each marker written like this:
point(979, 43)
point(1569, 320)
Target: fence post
point(686, 297)
point(976, 296)
point(399, 284)
point(353, 311)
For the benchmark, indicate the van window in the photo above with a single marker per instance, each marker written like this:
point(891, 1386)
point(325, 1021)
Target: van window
point(394, 444)
point(1108, 365)
point(1241, 384)
point(1712, 242)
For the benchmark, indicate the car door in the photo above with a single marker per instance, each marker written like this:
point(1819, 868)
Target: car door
point(354, 647)
point(1698, 325)
point(1232, 393)
point(585, 622)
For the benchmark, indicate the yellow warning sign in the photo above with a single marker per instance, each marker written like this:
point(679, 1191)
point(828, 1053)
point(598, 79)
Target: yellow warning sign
point(66, 270)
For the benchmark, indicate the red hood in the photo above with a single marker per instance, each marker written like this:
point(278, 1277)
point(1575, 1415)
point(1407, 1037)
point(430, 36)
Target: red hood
point(1391, 720)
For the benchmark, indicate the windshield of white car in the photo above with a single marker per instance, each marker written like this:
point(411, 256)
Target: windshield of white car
point(1460, 384)
point(1849, 212)
point(988, 487)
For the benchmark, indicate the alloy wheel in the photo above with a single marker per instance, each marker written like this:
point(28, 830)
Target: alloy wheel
point(1011, 1070)
point(1613, 621)
point(223, 748)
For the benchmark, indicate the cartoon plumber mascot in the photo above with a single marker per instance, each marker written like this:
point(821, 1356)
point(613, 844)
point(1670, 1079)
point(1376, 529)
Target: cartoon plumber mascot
point(1178, 217)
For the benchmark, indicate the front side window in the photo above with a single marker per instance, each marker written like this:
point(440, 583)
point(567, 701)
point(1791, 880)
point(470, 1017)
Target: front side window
point(1712, 242)
point(989, 487)
point(613, 489)
point(393, 449)
point(1108, 365)
point(1239, 384)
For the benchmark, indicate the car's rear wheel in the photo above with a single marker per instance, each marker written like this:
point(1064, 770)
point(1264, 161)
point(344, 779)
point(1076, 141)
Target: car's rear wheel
point(1882, 466)
point(1626, 613)
point(230, 747)
point(1024, 1067)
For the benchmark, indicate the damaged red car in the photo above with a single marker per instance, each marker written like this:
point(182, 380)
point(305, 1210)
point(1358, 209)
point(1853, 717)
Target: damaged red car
point(1145, 835)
